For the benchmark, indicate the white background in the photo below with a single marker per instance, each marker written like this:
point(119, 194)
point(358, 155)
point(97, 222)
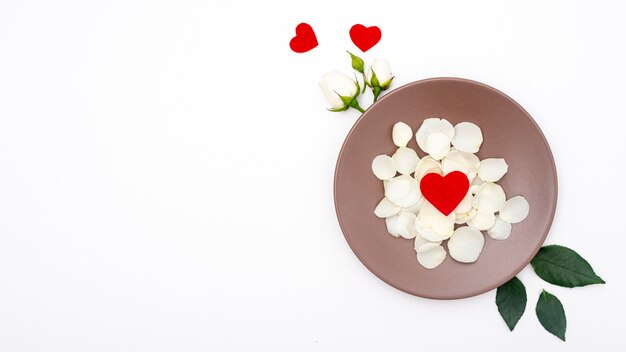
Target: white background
point(166, 172)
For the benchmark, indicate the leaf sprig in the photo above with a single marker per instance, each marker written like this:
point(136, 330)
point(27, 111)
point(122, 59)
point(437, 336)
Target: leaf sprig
point(554, 264)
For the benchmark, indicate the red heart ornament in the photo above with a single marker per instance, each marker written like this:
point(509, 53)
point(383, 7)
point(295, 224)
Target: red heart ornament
point(445, 192)
point(304, 40)
point(365, 37)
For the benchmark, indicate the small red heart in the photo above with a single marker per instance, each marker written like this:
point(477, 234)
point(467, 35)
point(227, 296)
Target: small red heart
point(365, 37)
point(304, 40)
point(445, 192)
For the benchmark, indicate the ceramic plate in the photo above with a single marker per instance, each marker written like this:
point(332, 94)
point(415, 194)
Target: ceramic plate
point(509, 132)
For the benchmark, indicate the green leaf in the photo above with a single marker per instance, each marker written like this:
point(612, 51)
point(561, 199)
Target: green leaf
point(346, 100)
point(358, 87)
point(338, 109)
point(551, 314)
point(562, 266)
point(386, 85)
point(355, 105)
point(511, 301)
point(357, 62)
point(374, 80)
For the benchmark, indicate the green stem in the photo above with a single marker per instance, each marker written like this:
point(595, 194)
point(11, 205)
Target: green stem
point(377, 91)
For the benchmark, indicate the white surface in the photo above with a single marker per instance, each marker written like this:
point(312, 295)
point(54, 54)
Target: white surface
point(158, 160)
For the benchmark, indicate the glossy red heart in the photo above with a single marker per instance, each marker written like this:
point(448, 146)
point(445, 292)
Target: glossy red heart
point(445, 192)
point(304, 40)
point(365, 37)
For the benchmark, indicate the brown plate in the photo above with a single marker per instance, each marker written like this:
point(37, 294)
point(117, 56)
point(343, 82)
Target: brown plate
point(509, 132)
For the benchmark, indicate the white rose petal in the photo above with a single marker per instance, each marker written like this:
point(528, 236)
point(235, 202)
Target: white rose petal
point(383, 167)
point(401, 134)
point(457, 160)
point(430, 126)
point(492, 170)
point(427, 165)
point(426, 129)
point(446, 128)
point(410, 198)
point(466, 244)
point(475, 185)
point(444, 227)
point(403, 190)
point(437, 145)
point(477, 181)
point(515, 210)
point(386, 208)
point(467, 137)
point(420, 241)
point(465, 217)
point(406, 225)
point(489, 198)
point(500, 229)
point(397, 187)
point(392, 225)
point(406, 160)
point(426, 232)
point(433, 225)
point(431, 255)
point(415, 208)
point(482, 220)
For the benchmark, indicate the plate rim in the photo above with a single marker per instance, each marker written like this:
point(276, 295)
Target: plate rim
point(552, 163)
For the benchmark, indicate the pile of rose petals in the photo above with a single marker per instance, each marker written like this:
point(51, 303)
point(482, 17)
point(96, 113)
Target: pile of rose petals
point(409, 215)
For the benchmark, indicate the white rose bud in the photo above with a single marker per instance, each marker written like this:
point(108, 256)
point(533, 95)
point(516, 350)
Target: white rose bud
point(340, 91)
point(379, 76)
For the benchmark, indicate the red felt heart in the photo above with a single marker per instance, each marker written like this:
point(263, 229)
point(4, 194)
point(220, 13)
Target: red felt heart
point(445, 192)
point(304, 40)
point(365, 37)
